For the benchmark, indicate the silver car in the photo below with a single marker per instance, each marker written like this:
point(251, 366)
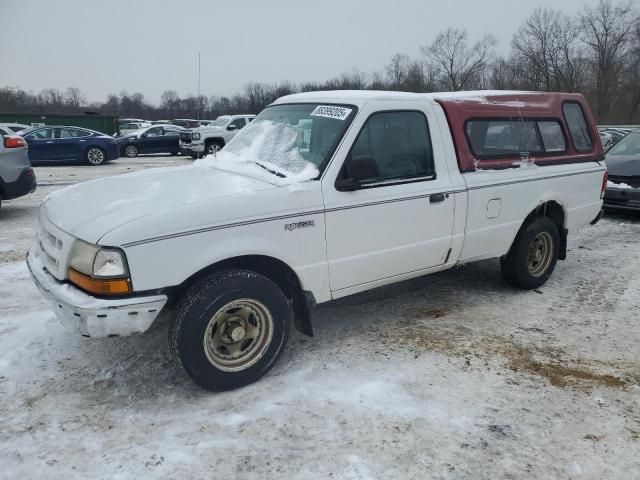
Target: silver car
point(17, 178)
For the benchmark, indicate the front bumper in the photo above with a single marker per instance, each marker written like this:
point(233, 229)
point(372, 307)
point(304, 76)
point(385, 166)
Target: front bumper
point(193, 148)
point(622, 198)
point(90, 316)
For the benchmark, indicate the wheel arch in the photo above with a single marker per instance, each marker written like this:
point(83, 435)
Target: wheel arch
point(274, 269)
point(556, 212)
point(219, 140)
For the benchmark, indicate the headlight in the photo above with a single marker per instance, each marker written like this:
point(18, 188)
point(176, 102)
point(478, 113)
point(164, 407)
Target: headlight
point(99, 270)
point(82, 256)
point(195, 136)
point(109, 263)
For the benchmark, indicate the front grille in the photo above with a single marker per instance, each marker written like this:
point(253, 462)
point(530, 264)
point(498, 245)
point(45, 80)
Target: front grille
point(52, 249)
point(185, 137)
point(55, 246)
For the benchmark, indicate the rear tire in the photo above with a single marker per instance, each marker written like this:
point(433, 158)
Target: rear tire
point(229, 329)
point(533, 255)
point(95, 156)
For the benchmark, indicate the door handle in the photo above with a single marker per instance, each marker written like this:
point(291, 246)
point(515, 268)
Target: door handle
point(50, 141)
point(436, 198)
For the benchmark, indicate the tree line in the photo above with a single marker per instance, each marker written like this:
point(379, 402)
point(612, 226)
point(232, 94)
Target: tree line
point(595, 52)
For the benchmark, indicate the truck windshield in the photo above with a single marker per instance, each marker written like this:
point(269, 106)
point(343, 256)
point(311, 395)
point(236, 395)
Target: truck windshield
point(292, 142)
point(220, 121)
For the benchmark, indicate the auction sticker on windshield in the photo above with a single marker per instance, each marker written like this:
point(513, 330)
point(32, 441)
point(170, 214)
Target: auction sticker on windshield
point(328, 111)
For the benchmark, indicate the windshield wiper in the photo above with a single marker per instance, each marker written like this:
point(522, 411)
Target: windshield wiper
point(277, 174)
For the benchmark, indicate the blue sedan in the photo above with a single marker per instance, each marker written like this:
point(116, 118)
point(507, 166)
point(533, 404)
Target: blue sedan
point(152, 139)
point(53, 144)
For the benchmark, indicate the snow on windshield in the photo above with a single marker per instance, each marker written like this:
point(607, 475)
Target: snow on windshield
point(266, 150)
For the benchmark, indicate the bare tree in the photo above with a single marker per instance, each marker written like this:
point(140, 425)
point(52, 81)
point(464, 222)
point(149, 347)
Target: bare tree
point(397, 70)
point(457, 65)
point(607, 30)
point(74, 98)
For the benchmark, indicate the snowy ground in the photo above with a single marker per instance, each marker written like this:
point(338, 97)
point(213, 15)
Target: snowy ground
point(453, 375)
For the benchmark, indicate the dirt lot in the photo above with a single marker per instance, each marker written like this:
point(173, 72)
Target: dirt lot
point(453, 375)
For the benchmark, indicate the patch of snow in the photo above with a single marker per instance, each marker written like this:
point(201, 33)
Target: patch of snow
point(264, 150)
point(621, 186)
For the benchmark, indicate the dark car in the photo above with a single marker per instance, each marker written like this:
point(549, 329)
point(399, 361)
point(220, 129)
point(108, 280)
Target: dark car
point(60, 144)
point(623, 165)
point(186, 122)
point(153, 139)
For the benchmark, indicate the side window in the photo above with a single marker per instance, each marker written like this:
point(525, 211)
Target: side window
point(238, 123)
point(578, 128)
point(512, 138)
point(394, 146)
point(154, 132)
point(72, 133)
point(498, 138)
point(552, 136)
point(44, 134)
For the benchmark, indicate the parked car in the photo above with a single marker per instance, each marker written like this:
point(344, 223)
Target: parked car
point(617, 134)
point(14, 127)
point(56, 144)
point(6, 130)
point(623, 164)
point(129, 127)
point(16, 175)
point(153, 139)
point(209, 140)
point(324, 195)
point(185, 122)
point(606, 139)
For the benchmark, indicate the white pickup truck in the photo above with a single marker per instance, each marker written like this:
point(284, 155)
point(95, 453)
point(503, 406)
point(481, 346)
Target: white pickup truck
point(323, 195)
point(207, 140)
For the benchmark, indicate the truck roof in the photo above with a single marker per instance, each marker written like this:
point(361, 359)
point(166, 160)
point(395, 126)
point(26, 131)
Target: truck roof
point(485, 105)
point(481, 97)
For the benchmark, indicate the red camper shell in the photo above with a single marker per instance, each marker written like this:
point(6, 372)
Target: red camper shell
point(494, 129)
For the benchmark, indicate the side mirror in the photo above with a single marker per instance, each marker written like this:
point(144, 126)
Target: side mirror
point(347, 185)
point(232, 127)
point(144, 135)
point(358, 170)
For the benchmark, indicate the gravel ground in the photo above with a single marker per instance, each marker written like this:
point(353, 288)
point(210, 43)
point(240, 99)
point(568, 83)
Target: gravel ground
point(453, 375)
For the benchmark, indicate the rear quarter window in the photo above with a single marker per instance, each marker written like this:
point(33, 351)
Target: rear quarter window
point(578, 127)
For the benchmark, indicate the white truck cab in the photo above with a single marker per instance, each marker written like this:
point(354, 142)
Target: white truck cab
point(323, 195)
point(209, 139)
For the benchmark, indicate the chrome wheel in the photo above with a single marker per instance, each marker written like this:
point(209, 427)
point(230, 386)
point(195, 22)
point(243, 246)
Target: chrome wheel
point(131, 151)
point(238, 335)
point(95, 156)
point(213, 148)
point(540, 254)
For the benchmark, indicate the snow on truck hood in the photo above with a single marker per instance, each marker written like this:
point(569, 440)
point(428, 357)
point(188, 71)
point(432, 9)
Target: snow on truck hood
point(91, 209)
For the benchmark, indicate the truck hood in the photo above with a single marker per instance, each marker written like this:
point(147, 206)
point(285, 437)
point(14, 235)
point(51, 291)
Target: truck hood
point(91, 209)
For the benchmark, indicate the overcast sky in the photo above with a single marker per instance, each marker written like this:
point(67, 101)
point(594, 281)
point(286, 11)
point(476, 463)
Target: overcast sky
point(106, 46)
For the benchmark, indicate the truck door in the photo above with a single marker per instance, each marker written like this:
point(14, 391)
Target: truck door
point(388, 205)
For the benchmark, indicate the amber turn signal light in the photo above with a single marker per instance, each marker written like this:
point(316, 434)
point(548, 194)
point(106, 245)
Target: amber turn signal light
point(100, 286)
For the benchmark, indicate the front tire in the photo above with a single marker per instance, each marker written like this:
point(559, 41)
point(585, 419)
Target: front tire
point(533, 255)
point(230, 329)
point(130, 151)
point(212, 148)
